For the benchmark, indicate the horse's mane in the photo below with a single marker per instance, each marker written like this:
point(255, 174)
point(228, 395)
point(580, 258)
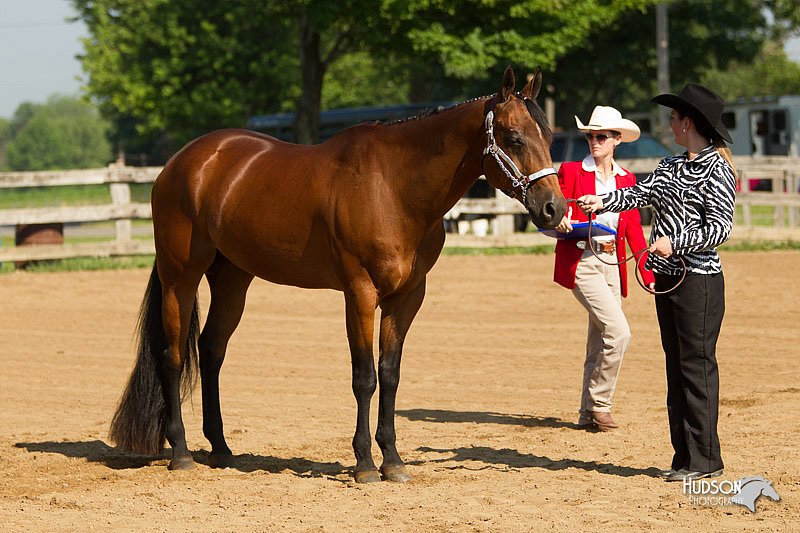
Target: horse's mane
point(539, 117)
point(533, 108)
point(430, 112)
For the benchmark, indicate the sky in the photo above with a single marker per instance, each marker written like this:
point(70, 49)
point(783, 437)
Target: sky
point(38, 48)
point(37, 52)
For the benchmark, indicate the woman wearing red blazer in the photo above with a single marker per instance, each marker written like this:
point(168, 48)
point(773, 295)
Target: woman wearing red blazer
point(597, 286)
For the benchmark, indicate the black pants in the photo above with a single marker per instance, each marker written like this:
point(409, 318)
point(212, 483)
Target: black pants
point(690, 318)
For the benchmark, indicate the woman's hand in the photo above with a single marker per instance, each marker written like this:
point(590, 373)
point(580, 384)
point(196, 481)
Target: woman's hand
point(564, 226)
point(662, 247)
point(589, 203)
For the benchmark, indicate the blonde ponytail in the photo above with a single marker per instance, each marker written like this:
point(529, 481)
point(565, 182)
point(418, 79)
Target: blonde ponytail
point(725, 152)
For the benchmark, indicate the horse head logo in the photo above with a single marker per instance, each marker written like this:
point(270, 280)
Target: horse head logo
point(752, 488)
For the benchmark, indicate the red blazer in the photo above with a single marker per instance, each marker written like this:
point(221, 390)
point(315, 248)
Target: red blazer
point(575, 182)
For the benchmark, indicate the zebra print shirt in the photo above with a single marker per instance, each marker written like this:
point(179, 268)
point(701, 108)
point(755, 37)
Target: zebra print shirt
point(692, 205)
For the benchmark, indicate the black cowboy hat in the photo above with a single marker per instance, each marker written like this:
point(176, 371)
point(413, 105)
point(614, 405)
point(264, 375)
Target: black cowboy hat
point(701, 102)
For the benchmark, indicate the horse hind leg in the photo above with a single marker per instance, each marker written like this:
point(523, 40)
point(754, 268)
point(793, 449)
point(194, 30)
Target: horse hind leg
point(179, 282)
point(397, 315)
point(179, 305)
point(228, 285)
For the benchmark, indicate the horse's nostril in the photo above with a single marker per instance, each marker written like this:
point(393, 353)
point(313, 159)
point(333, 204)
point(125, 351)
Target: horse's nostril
point(550, 210)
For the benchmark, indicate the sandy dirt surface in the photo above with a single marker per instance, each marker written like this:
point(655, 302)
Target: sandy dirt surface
point(486, 411)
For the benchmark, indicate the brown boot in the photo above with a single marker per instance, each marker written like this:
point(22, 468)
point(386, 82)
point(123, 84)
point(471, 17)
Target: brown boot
point(603, 421)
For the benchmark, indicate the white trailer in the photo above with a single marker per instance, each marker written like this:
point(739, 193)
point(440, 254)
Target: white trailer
point(764, 126)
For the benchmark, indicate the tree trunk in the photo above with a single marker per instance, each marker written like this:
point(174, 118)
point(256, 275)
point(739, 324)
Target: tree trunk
point(306, 122)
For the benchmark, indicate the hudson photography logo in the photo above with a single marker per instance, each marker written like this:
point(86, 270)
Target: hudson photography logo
point(744, 491)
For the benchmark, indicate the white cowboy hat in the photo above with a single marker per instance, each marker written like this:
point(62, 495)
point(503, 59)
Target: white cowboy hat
point(608, 118)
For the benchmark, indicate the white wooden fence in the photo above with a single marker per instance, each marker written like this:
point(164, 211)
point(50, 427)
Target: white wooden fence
point(121, 210)
point(784, 173)
point(784, 197)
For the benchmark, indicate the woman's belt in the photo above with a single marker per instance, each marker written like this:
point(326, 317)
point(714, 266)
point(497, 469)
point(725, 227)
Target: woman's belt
point(608, 247)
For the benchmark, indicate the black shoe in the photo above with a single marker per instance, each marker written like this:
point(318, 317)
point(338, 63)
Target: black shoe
point(666, 473)
point(686, 474)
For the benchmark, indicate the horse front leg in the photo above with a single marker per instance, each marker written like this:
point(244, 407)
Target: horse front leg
point(396, 318)
point(360, 311)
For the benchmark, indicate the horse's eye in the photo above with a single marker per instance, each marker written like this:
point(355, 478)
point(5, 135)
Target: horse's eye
point(513, 138)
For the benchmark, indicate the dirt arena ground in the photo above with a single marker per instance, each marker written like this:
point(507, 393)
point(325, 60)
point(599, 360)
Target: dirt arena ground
point(488, 398)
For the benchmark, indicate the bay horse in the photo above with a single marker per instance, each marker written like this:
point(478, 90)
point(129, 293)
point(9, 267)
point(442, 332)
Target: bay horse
point(360, 213)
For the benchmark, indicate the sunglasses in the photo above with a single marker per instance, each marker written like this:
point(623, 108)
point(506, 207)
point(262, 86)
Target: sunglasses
point(601, 137)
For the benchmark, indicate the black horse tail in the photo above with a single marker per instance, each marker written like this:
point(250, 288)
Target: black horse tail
point(139, 424)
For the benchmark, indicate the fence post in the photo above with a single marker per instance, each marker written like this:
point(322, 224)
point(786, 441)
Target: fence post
point(503, 224)
point(120, 195)
point(778, 186)
point(746, 218)
point(791, 189)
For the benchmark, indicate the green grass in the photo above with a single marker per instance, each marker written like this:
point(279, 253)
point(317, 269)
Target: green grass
point(760, 246)
point(66, 195)
point(80, 263)
point(762, 215)
point(145, 261)
point(86, 263)
point(542, 249)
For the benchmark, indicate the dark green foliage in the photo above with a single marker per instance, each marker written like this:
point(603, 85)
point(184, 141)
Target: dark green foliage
point(617, 65)
point(167, 71)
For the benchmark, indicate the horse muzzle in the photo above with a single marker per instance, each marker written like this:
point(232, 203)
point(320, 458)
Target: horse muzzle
point(546, 206)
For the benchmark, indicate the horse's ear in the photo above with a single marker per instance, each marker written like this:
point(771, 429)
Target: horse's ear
point(507, 86)
point(531, 90)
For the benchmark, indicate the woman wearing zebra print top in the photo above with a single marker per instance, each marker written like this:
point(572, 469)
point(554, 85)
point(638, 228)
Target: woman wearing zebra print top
point(693, 198)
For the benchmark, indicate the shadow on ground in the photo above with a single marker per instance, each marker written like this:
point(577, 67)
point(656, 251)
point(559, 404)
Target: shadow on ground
point(484, 417)
point(513, 459)
point(97, 451)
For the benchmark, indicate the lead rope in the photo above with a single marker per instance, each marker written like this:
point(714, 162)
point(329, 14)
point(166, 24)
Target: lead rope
point(639, 255)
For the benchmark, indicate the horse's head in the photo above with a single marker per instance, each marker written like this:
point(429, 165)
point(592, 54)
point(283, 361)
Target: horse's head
point(517, 156)
point(751, 488)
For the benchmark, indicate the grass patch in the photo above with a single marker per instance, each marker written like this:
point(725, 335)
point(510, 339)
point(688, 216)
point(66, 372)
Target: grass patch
point(67, 195)
point(86, 263)
point(541, 249)
point(760, 246)
point(146, 261)
point(764, 215)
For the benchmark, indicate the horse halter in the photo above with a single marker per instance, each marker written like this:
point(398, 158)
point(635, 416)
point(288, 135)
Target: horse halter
point(507, 165)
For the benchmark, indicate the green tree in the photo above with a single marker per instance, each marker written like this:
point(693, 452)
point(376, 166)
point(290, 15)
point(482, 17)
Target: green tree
point(472, 39)
point(61, 134)
point(358, 80)
point(787, 17)
point(617, 64)
point(186, 66)
point(174, 69)
point(327, 31)
point(5, 136)
point(771, 73)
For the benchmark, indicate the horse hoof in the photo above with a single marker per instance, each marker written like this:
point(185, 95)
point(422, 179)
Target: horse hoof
point(221, 460)
point(367, 476)
point(181, 463)
point(398, 473)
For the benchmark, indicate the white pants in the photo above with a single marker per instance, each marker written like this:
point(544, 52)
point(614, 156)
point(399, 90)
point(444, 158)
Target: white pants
point(597, 289)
